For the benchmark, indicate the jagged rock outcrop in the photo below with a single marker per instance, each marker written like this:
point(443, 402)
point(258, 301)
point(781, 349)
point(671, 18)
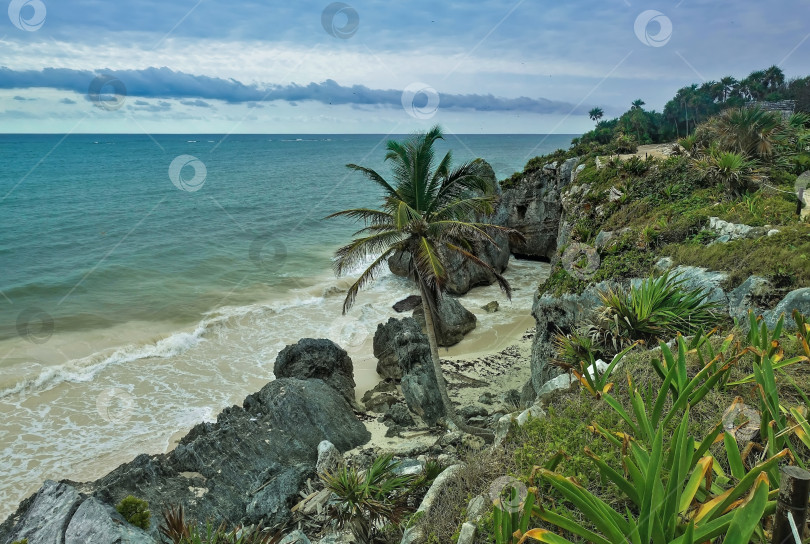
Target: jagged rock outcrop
point(321, 359)
point(245, 468)
point(58, 514)
point(553, 314)
point(454, 321)
point(798, 299)
point(385, 347)
point(532, 206)
point(419, 386)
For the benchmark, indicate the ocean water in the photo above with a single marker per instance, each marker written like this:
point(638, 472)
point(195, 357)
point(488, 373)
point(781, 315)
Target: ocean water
point(139, 296)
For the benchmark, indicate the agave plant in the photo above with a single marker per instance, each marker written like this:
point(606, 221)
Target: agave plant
point(734, 170)
point(668, 476)
point(366, 501)
point(177, 530)
point(657, 308)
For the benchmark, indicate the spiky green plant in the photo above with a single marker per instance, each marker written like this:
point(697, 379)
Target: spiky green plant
point(366, 501)
point(667, 476)
point(657, 308)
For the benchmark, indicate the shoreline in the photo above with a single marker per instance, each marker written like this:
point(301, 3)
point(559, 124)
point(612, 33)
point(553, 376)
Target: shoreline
point(120, 430)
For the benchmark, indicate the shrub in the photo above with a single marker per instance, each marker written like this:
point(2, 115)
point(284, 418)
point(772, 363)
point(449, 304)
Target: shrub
point(135, 511)
point(658, 308)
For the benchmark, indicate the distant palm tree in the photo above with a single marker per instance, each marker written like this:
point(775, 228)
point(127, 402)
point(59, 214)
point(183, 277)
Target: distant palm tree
point(426, 207)
point(596, 114)
point(636, 105)
point(729, 86)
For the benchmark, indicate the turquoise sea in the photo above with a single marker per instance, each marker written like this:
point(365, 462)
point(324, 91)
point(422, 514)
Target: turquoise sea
point(147, 282)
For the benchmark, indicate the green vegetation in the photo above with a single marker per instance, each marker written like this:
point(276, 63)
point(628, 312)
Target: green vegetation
point(656, 309)
point(135, 511)
point(429, 211)
point(177, 530)
point(370, 502)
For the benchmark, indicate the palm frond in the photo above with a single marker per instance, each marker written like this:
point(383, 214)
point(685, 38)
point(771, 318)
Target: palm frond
point(365, 278)
point(360, 249)
point(428, 264)
point(502, 282)
point(465, 208)
point(369, 215)
point(373, 176)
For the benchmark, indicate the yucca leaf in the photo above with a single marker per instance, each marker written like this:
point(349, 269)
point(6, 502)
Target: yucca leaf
point(733, 454)
point(700, 473)
point(542, 535)
point(747, 517)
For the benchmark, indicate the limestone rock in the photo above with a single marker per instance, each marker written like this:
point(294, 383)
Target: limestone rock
point(46, 516)
point(385, 346)
point(398, 414)
point(381, 397)
point(296, 537)
point(408, 303)
point(329, 458)
point(476, 508)
point(744, 297)
point(532, 206)
point(321, 359)
point(491, 307)
point(467, 533)
point(419, 385)
point(99, 523)
point(455, 321)
point(798, 299)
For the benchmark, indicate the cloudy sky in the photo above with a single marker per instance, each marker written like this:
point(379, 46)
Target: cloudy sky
point(301, 66)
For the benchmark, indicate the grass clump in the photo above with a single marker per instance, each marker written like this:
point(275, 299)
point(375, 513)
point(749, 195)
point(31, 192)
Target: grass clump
point(783, 257)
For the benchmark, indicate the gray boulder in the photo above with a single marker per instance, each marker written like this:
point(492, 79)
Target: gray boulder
point(43, 517)
point(408, 303)
point(745, 297)
point(329, 458)
point(565, 313)
point(419, 385)
point(59, 514)
point(381, 396)
point(455, 321)
point(709, 281)
point(241, 469)
point(491, 307)
point(296, 537)
point(798, 299)
point(398, 414)
point(384, 344)
point(99, 523)
point(321, 359)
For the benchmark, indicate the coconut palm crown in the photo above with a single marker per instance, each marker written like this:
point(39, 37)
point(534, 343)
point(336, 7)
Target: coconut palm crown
point(427, 208)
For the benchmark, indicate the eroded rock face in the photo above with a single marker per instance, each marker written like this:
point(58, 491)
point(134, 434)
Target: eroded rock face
point(533, 207)
point(455, 321)
point(244, 468)
point(798, 299)
point(385, 347)
point(321, 359)
point(551, 314)
point(419, 385)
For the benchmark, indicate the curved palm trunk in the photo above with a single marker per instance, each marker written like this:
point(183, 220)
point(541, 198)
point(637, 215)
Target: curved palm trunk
point(449, 409)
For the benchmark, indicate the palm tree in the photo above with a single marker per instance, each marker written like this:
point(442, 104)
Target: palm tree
point(636, 105)
point(427, 209)
point(595, 114)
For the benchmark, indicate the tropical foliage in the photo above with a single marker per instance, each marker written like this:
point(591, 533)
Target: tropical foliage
point(429, 211)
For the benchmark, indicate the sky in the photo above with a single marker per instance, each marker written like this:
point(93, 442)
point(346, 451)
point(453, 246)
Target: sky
point(373, 66)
